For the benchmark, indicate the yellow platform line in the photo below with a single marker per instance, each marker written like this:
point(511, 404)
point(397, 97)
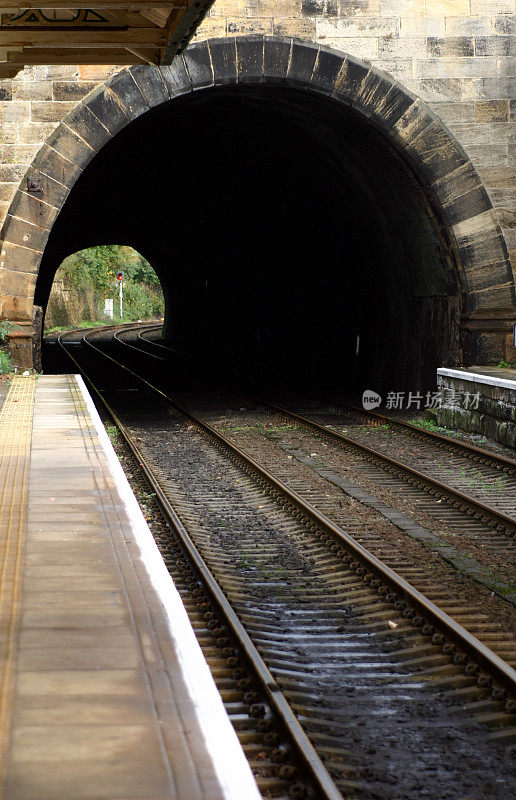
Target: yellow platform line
point(15, 447)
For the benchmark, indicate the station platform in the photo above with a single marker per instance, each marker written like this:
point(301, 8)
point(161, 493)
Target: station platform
point(104, 690)
point(479, 400)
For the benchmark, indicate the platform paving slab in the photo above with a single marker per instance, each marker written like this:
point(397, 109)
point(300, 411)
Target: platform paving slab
point(106, 692)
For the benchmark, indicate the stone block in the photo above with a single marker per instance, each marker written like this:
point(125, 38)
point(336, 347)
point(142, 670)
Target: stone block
point(230, 8)
point(460, 182)
point(487, 88)
point(498, 177)
point(505, 67)
point(302, 63)
point(438, 89)
point(442, 162)
point(223, 59)
point(467, 205)
point(421, 26)
point(364, 48)
point(468, 26)
point(489, 7)
point(18, 153)
point(403, 47)
point(278, 8)
point(53, 164)
point(150, 83)
point(395, 103)
point(506, 217)
point(107, 108)
point(358, 27)
point(505, 24)
point(452, 113)
point(247, 26)
point(8, 190)
point(176, 77)
point(441, 8)
point(54, 193)
point(33, 209)
point(484, 155)
point(6, 90)
point(413, 122)
point(402, 8)
point(198, 65)
point(250, 58)
point(52, 111)
point(18, 284)
point(17, 231)
point(97, 72)
point(494, 46)
point(15, 111)
point(71, 146)
point(276, 58)
point(17, 309)
point(326, 70)
point(9, 173)
point(503, 198)
point(129, 95)
point(399, 68)
point(458, 46)
point(35, 132)
point(432, 139)
point(54, 72)
point(72, 90)
point(360, 8)
point(35, 90)
point(349, 80)
point(88, 126)
point(295, 28)
point(9, 132)
point(492, 111)
point(456, 67)
point(211, 27)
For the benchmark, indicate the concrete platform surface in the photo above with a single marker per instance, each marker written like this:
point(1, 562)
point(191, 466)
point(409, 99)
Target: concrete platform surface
point(104, 690)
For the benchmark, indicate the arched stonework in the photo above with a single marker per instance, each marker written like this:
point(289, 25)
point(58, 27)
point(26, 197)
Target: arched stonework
point(413, 129)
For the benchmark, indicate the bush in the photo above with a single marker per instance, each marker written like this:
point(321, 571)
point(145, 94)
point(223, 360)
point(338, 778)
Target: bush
point(6, 365)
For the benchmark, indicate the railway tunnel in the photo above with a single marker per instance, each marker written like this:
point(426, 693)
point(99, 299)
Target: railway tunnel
point(298, 243)
point(292, 239)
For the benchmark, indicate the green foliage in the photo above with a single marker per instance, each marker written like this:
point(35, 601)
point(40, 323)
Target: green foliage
point(5, 328)
point(6, 365)
point(95, 270)
point(504, 364)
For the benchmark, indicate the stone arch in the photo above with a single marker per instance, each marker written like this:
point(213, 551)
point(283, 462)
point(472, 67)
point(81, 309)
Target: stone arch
point(415, 132)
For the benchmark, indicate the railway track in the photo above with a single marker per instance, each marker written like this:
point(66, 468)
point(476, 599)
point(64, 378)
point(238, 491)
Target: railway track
point(344, 638)
point(475, 537)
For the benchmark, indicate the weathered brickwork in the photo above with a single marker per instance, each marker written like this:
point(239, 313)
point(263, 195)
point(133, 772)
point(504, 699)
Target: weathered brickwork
point(457, 55)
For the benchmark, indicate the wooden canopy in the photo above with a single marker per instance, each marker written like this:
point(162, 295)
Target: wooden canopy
point(96, 32)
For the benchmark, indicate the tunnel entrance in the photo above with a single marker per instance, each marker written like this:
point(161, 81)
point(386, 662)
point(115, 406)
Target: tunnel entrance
point(291, 239)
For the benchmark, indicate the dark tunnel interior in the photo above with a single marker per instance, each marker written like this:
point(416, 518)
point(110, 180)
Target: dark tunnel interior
point(287, 234)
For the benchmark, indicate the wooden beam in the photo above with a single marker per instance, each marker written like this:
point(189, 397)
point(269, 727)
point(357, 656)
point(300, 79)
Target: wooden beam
point(118, 56)
point(41, 4)
point(92, 38)
point(145, 56)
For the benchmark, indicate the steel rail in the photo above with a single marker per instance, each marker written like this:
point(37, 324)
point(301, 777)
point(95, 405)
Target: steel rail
point(448, 493)
point(462, 638)
point(452, 495)
point(274, 696)
point(498, 461)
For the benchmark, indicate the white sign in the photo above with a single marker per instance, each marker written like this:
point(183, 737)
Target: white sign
point(108, 307)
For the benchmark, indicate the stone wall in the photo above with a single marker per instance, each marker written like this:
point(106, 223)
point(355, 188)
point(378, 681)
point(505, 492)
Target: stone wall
point(454, 54)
